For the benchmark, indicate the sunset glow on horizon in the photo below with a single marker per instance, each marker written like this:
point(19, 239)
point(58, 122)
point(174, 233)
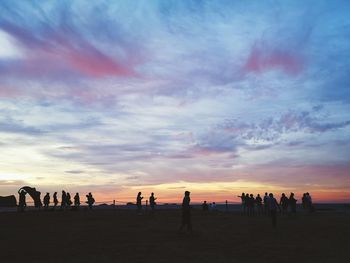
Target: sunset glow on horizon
point(214, 97)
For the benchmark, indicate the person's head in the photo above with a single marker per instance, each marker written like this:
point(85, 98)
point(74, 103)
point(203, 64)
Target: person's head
point(243, 194)
point(139, 194)
point(291, 194)
point(251, 195)
point(205, 202)
point(307, 193)
point(265, 193)
point(152, 194)
point(63, 192)
point(47, 193)
point(271, 195)
point(55, 193)
point(187, 193)
point(283, 195)
point(77, 193)
point(258, 195)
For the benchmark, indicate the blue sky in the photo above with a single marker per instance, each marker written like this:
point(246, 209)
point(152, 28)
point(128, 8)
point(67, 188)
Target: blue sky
point(216, 96)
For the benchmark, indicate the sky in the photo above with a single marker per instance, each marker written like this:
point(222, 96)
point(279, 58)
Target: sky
point(215, 97)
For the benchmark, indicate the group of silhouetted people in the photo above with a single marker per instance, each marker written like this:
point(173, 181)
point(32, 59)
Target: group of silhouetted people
point(66, 200)
point(152, 203)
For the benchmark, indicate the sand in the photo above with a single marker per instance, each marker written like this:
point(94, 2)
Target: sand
point(123, 236)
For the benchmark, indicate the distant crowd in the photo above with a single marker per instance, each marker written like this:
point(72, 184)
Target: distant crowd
point(250, 205)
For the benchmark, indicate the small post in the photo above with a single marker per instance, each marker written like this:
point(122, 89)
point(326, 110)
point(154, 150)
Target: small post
point(113, 204)
point(226, 206)
point(146, 205)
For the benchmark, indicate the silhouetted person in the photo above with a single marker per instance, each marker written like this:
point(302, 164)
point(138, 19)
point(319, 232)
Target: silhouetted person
point(22, 200)
point(63, 199)
point(251, 205)
point(304, 201)
point(266, 203)
point(186, 212)
point(55, 200)
point(46, 200)
point(77, 200)
point(284, 202)
point(273, 205)
point(292, 204)
point(309, 203)
point(90, 200)
point(243, 203)
point(205, 206)
point(213, 206)
point(152, 202)
point(258, 201)
point(139, 203)
point(69, 200)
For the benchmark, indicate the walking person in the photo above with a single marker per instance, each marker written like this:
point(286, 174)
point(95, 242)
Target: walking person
point(273, 205)
point(139, 203)
point(55, 200)
point(46, 201)
point(152, 202)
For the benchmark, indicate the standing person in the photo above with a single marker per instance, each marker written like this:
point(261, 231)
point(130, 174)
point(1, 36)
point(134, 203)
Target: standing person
point(243, 203)
point(304, 201)
point(273, 205)
point(258, 201)
point(152, 202)
point(186, 212)
point(46, 201)
point(90, 200)
point(266, 203)
point(22, 200)
point(69, 200)
point(139, 203)
point(309, 204)
point(251, 205)
point(63, 199)
point(77, 200)
point(292, 204)
point(205, 206)
point(55, 200)
point(284, 202)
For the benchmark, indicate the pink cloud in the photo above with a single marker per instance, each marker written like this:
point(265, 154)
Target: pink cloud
point(260, 61)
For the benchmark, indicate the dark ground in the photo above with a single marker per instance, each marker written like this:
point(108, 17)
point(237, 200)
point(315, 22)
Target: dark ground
point(122, 236)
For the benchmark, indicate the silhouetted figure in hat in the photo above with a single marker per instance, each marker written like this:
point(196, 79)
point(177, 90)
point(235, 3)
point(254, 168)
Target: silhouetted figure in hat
point(76, 200)
point(266, 203)
point(63, 199)
point(205, 206)
point(292, 204)
point(90, 200)
point(186, 212)
point(22, 200)
point(46, 201)
point(55, 200)
point(284, 202)
point(258, 201)
point(273, 205)
point(139, 203)
point(152, 202)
